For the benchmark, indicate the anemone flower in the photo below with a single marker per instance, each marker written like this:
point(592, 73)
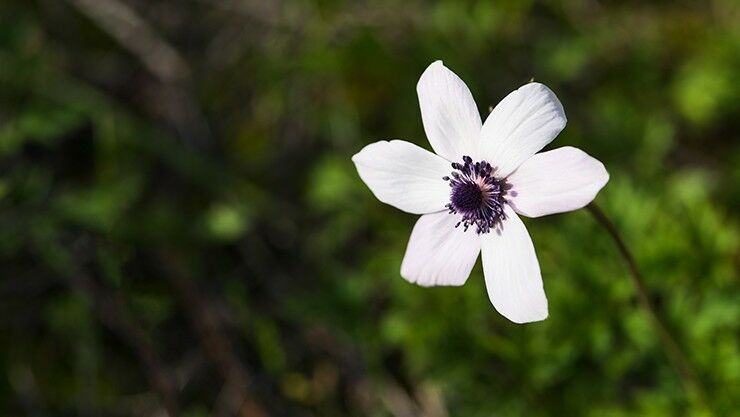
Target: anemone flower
point(471, 191)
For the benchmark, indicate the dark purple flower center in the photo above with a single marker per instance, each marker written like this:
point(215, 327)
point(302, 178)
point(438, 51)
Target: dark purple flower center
point(467, 196)
point(477, 195)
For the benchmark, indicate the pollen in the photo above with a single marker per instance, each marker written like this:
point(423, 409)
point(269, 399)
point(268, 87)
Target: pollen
point(477, 195)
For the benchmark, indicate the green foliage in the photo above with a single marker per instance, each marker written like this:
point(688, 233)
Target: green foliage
point(113, 177)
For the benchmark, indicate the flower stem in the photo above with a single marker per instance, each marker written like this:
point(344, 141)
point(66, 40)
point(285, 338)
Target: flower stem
point(676, 355)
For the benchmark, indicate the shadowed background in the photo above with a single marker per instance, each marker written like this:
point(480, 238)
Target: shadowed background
point(182, 231)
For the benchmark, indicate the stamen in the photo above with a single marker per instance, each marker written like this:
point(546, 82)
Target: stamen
point(477, 195)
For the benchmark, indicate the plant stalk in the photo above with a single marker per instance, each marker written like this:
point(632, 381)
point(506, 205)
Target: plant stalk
point(676, 355)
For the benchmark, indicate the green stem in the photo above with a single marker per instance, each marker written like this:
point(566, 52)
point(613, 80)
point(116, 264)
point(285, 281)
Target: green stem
point(676, 355)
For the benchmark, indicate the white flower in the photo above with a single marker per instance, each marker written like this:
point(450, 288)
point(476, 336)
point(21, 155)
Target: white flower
point(482, 177)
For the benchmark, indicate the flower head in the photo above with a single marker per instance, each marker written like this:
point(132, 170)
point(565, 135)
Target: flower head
point(471, 191)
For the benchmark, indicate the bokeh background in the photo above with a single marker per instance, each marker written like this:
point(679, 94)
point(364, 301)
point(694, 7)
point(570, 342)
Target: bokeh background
point(182, 231)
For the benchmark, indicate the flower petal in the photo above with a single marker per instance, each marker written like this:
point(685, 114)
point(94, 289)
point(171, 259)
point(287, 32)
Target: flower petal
point(404, 175)
point(556, 181)
point(512, 272)
point(451, 118)
point(521, 124)
point(438, 253)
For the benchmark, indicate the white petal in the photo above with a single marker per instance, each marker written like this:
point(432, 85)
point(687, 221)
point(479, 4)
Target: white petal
point(451, 118)
point(438, 253)
point(512, 272)
point(404, 175)
point(521, 124)
point(556, 181)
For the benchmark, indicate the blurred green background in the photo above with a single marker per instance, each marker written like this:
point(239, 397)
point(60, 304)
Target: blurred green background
point(182, 231)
